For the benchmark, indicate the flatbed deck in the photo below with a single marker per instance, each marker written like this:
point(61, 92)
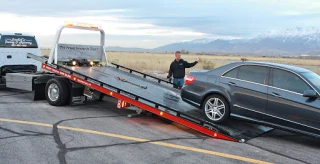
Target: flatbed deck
point(165, 95)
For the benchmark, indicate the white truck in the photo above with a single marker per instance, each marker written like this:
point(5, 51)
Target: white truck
point(14, 48)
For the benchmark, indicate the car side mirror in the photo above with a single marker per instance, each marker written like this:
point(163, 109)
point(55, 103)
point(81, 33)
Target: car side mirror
point(310, 94)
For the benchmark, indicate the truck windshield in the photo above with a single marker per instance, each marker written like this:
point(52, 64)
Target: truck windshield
point(16, 41)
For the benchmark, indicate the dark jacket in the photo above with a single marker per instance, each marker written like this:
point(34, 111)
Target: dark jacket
point(177, 68)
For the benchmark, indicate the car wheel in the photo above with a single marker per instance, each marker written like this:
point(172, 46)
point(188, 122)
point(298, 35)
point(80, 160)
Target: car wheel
point(216, 108)
point(57, 91)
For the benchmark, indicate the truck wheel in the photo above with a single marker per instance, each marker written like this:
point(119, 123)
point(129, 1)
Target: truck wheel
point(216, 109)
point(57, 91)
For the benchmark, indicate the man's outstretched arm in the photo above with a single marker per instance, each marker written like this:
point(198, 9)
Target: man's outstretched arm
point(188, 65)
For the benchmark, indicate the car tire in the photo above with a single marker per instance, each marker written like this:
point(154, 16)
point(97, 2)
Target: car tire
point(217, 111)
point(57, 91)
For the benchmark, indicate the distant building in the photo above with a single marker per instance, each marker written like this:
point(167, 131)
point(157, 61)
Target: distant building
point(304, 55)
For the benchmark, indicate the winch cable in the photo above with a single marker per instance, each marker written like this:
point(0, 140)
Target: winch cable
point(121, 79)
point(126, 81)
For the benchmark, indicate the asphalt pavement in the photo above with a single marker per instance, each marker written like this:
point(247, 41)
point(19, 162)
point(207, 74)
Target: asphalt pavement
point(98, 132)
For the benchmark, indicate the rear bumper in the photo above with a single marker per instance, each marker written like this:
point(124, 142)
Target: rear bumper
point(191, 98)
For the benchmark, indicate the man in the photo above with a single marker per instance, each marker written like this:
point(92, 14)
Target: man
point(177, 69)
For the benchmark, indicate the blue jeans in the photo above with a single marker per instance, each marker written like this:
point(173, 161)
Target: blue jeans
point(178, 82)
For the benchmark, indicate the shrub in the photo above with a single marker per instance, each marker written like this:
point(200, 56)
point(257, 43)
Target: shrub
point(207, 65)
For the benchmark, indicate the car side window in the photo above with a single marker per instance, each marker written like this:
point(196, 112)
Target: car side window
point(257, 74)
point(233, 73)
point(288, 81)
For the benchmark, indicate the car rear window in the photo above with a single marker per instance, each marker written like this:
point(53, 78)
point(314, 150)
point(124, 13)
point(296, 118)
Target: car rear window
point(232, 73)
point(17, 41)
point(256, 74)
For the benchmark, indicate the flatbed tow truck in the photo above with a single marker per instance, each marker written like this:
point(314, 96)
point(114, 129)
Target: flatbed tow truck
point(75, 72)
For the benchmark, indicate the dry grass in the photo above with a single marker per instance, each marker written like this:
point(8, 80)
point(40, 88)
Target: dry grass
point(149, 61)
point(45, 52)
point(161, 62)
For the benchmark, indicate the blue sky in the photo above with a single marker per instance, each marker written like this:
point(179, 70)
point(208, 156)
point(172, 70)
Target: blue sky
point(149, 24)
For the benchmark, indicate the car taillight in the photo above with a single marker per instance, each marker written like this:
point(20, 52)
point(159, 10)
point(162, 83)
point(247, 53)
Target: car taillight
point(189, 80)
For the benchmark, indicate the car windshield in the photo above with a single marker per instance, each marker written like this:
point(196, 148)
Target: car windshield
point(313, 78)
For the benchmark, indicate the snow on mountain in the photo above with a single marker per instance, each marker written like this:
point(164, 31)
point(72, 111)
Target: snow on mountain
point(200, 41)
point(289, 42)
point(291, 32)
point(307, 34)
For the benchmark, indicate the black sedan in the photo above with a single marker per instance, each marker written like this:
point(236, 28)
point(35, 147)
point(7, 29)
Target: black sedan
point(281, 96)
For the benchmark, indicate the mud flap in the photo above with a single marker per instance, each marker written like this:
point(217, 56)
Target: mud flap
point(2, 82)
point(39, 91)
point(77, 96)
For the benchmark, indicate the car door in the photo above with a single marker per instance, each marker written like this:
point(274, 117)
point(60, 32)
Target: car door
point(247, 87)
point(286, 104)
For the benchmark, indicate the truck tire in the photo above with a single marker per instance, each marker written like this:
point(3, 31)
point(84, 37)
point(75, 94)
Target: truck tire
point(57, 91)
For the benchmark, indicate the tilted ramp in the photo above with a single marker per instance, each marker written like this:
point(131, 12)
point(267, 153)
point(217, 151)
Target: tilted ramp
point(156, 96)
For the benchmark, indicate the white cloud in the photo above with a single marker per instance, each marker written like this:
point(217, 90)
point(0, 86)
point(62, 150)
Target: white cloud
point(104, 11)
point(112, 25)
point(290, 13)
point(294, 7)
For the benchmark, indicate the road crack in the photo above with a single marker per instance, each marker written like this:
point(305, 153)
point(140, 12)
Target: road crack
point(63, 150)
point(18, 134)
point(277, 153)
point(62, 146)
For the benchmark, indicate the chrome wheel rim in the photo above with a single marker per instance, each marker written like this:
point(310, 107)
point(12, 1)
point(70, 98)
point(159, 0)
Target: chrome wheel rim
point(53, 92)
point(215, 109)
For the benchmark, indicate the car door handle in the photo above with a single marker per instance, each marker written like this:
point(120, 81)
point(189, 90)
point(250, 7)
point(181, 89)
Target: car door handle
point(276, 95)
point(232, 83)
point(9, 56)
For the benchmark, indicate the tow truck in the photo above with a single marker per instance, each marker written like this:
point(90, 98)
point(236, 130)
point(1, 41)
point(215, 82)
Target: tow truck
point(73, 73)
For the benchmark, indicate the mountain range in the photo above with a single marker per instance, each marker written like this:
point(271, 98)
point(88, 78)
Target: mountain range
point(294, 41)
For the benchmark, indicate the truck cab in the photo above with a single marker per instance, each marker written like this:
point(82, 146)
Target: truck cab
point(13, 53)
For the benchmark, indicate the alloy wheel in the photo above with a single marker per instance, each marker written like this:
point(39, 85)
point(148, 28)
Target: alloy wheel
point(215, 109)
